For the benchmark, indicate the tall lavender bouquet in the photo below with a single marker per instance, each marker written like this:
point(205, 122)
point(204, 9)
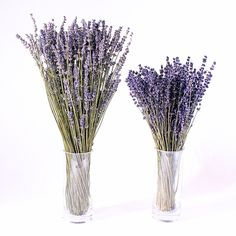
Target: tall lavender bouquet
point(81, 69)
point(169, 101)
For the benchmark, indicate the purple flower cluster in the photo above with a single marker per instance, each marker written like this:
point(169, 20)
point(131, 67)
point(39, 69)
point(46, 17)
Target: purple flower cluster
point(81, 69)
point(170, 99)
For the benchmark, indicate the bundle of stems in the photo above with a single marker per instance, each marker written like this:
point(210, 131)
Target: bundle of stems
point(81, 69)
point(169, 101)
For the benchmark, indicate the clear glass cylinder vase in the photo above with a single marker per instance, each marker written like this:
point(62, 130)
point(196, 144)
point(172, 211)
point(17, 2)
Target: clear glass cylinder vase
point(166, 204)
point(77, 187)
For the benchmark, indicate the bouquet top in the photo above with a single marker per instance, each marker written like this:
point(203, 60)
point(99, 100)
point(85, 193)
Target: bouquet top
point(81, 70)
point(169, 99)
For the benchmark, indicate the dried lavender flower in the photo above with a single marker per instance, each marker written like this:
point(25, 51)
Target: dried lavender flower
point(81, 70)
point(169, 100)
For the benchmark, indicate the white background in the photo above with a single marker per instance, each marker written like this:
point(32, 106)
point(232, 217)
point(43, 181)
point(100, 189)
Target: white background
point(123, 161)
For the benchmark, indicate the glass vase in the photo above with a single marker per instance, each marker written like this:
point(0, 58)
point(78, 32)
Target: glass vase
point(166, 205)
point(77, 187)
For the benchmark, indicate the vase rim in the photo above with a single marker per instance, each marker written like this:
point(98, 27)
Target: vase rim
point(77, 153)
point(159, 150)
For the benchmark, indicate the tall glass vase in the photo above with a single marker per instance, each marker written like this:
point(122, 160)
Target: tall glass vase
point(166, 205)
point(77, 187)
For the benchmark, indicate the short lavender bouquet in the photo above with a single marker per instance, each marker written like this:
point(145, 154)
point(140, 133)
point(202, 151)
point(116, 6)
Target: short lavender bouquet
point(81, 69)
point(169, 101)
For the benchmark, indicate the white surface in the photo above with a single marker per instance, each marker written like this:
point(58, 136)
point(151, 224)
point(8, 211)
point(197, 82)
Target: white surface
point(123, 164)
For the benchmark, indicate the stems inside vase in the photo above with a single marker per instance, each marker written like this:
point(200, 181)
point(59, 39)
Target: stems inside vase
point(168, 171)
point(77, 192)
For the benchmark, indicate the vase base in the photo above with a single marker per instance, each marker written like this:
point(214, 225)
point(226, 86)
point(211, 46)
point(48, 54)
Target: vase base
point(166, 216)
point(79, 219)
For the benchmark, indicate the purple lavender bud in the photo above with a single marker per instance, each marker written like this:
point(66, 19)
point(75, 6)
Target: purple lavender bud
point(82, 121)
point(70, 117)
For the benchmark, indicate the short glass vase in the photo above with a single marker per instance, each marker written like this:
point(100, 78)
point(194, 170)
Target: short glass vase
point(166, 204)
point(77, 187)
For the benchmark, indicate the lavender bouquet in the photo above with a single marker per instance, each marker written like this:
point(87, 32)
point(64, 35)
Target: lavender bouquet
point(81, 69)
point(169, 101)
